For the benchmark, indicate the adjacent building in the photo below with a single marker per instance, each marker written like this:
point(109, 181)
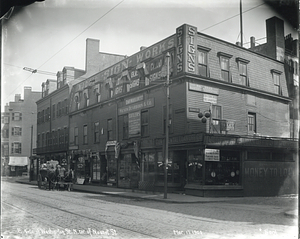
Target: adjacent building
point(19, 133)
point(53, 107)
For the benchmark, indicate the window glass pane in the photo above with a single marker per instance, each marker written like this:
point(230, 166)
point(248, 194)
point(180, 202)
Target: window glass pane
point(224, 63)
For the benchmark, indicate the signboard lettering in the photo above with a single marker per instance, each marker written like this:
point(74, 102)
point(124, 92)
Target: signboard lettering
point(212, 155)
point(202, 88)
point(137, 106)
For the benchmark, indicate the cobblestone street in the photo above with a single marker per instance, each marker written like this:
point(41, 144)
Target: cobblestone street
point(28, 212)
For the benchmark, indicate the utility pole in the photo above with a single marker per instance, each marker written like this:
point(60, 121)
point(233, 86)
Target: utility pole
point(167, 126)
point(241, 22)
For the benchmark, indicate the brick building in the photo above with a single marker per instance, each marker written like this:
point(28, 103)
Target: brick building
point(18, 133)
point(52, 117)
point(229, 122)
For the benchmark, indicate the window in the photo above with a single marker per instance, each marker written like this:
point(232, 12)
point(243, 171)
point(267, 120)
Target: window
point(38, 141)
point(216, 116)
point(77, 101)
point(109, 129)
point(276, 78)
point(53, 111)
point(76, 135)
point(17, 131)
point(66, 135)
point(203, 61)
point(225, 66)
point(145, 123)
point(5, 133)
point(48, 138)
point(5, 150)
point(43, 140)
point(86, 98)
point(17, 116)
point(47, 116)
point(96, 132)
point(251, 123)
point(5, 120)
point(66, 106)
point(125, 126)
point(243, 71)
point(16, 148)
point(85, 134)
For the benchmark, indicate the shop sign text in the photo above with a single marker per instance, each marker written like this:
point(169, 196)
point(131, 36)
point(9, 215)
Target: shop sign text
point(264, 172)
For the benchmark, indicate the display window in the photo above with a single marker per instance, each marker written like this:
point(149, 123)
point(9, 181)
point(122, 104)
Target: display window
point(96, 167)
point(195, 166)
point(128, 171)
point(222, 167)
point(111, 168)
point(148, 167)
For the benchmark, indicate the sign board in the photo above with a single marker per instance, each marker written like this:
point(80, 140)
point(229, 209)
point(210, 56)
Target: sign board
point(212, 155)
point(203, 88)
point(134, 123)
point(80, 180)
point(210, 98)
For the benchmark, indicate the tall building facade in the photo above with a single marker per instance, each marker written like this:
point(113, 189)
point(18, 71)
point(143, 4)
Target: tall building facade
point(229, 118)
point(19, 133)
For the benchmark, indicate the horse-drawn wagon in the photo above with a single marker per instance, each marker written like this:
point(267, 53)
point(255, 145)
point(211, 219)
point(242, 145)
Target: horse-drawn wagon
point(53, 176)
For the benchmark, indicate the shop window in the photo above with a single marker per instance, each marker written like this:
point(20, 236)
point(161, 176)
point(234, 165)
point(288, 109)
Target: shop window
point(16, 116)
point(276, 79)
point(125, 126)
point(85, 134)
point(110, 129)
point(203, 61)
point(112, 168)
point(222, 167)
point(195, 168)
point(251, 123)
point(76, 135)
point(16, 131)
point(16, 148)
point(96, 167)
point(96, 132)
point(145, 123)
point(148, 167)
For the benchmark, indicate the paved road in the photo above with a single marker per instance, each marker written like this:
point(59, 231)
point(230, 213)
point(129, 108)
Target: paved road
point(28, 212)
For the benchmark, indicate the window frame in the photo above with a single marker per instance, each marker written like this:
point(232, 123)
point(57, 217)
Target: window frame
point(145, 125)
point(110, 130)
point(96, 132)
point(252, 115)
point(243, 76)
point(276, 81)
point(85, 134)
point(225, 70)
point(76, 142)
point(203, 66)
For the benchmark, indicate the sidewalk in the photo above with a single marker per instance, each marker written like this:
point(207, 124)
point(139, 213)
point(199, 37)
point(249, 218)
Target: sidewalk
point(143, 195)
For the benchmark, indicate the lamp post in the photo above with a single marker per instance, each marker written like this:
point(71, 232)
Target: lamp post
point(167, 126)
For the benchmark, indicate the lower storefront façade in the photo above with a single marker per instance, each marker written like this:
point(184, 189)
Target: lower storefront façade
point(199, 164)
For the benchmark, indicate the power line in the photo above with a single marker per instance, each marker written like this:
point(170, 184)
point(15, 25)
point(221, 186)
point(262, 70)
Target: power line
point(232, 17)
point(67, 45)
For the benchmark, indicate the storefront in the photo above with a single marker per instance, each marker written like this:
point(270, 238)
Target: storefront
point(80, 162)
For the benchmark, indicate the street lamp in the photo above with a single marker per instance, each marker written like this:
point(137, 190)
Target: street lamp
point(167, 126)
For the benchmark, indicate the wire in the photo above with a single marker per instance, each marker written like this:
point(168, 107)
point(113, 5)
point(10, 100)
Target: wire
point(66, 45)
point(232, 17)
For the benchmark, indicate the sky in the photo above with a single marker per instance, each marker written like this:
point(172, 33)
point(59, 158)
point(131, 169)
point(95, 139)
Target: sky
point(52, 34)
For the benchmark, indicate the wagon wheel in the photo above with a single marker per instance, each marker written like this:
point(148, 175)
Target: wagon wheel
point(40, 181)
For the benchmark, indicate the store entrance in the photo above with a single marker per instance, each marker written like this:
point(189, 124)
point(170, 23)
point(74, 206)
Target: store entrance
point(179, 167)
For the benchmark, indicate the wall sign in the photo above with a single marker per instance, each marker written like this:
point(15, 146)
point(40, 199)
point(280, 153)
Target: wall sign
point(134, 124)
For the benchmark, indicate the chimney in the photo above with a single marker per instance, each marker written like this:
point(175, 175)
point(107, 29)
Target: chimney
point(275, 38)
point(17, 97)
point(92, 50)
point(252, 42)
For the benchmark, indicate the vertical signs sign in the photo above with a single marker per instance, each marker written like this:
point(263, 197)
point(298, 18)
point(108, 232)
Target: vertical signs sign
point(186, 60)
point(134, 123)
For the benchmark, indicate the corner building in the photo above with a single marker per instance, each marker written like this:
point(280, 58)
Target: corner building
point(229, 126)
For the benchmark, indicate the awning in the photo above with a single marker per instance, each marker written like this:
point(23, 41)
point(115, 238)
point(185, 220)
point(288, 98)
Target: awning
point(18, 161)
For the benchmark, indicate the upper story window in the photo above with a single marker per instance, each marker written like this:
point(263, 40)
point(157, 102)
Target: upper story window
point(16, 148)
point(276, 79)
point(125, 126)
point(76, 135)
point(97, 90)
point(16, 116)
point(85, 134)
point(243, 71)
point(145, 123)
point(5, 133)
point(110, 129)
point(53, 111)
point(5, 120)
point(16, 131)
point(77, 101)
point(225, 66)
point(66, 106)
point(251, 123)
point(86, 98)
point(203, 61)
point(96, 132)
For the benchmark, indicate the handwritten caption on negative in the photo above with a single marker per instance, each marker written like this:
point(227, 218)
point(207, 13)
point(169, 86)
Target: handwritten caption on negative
point(66, 231)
